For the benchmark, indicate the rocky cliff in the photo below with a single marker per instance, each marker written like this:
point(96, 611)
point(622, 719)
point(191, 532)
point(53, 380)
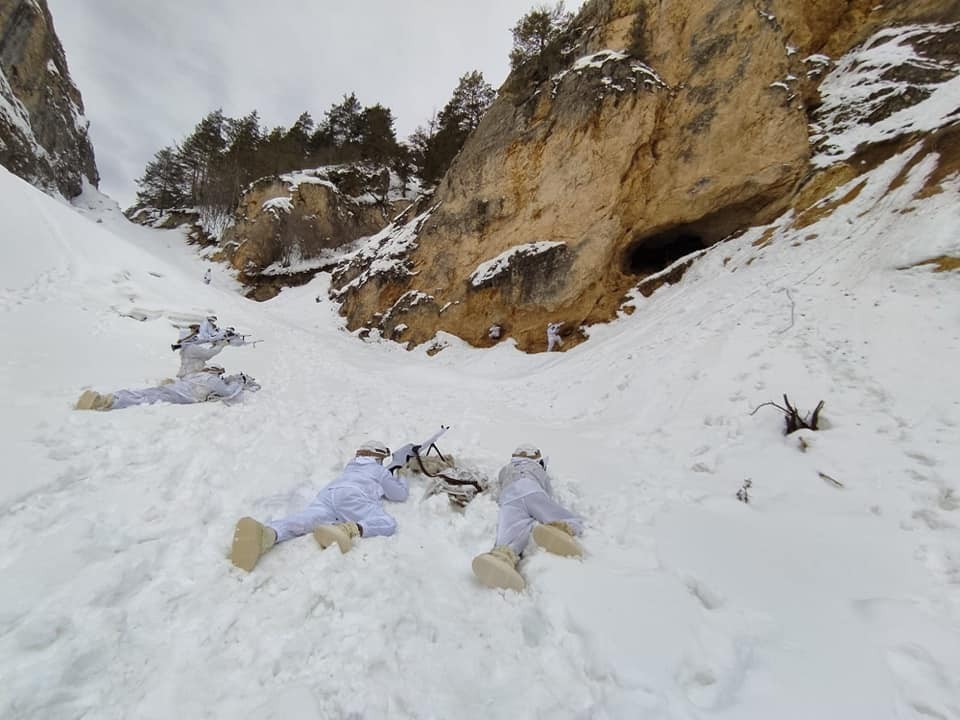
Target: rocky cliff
point(43, 132)
point(671, 126)
point(287, 227)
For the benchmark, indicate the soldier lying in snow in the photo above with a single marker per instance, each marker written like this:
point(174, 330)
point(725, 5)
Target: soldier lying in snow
point(526, 504)
point(348, 508)
point(206, 385)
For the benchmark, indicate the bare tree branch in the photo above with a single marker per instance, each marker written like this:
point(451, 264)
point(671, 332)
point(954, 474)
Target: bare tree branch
point(764, 405)
point(792, 418)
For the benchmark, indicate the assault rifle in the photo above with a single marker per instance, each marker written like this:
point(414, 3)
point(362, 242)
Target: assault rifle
point(412, 450)
point(229, 335)
point(461, 486)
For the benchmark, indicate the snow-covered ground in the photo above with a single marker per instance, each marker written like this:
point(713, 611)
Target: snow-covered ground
point(833, 593)
point(811, 601)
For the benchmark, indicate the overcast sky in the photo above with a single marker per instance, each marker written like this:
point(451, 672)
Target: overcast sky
point(149, 70)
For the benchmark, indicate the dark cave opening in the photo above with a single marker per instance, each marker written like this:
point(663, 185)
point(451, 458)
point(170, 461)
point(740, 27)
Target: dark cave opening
point(653, 253)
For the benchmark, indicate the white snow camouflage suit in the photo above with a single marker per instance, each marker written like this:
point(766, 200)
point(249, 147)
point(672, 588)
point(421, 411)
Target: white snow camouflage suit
point(526, 498)
point(195, 388)
point(353, 497)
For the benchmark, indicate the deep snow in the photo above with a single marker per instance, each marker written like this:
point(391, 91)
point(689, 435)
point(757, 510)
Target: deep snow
point(812, 601)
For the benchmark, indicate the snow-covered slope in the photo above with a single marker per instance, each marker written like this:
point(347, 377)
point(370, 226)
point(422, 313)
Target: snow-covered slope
point(835, 593)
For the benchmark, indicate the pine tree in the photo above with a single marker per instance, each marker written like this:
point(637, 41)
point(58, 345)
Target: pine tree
point(378, 141)
point(244, 138)
point(436, 149)
point(270, 159)
point(471, 98)
point(201, 150)
point(297, 138)
point(164, 182)
point(537, 32)
point(419, 142)
point(343, 123)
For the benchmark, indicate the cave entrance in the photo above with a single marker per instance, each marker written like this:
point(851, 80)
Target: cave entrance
point(649, 253)
point(653, 253)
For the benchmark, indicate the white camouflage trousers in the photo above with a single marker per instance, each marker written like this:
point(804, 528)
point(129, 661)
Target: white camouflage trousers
point(517, 518)
point(148, 396)
point(334, 505)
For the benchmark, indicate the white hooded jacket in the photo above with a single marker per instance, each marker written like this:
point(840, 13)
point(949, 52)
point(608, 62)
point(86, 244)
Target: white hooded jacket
point(354, 496)
point(526, 497)
point(194, 356)
point(209, 332)
point(521, 477)
point(367, 475)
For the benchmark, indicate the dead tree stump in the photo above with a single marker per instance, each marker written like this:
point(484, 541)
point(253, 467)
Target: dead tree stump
point(792, 418)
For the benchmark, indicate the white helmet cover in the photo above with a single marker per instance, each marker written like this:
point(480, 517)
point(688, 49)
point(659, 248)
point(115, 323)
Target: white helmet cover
point(527, 451)
point(374, 448)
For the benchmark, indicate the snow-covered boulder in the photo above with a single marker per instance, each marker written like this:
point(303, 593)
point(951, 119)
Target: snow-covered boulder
point(289, 221)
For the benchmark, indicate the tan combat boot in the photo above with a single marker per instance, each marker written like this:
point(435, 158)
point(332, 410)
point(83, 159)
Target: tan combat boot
point(251, 540)
point(557, 537)
point(341, 533)
point(498, 569)
point(91, 400)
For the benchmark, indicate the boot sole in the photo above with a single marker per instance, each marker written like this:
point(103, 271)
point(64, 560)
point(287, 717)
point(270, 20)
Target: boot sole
point(86, 400)
point(247, 544)
point(327, 535)
point(495, 573)
point(556, 541)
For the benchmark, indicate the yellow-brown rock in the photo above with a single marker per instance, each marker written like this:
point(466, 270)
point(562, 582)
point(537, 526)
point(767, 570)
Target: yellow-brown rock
point(610, 170)
point(43, 134)
point(283, 221)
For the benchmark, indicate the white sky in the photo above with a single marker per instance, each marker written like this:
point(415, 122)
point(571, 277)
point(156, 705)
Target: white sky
point(148, 71)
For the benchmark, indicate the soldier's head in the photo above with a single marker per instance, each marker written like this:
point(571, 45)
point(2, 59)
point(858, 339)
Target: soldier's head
point(528, 451)
point(374, 449)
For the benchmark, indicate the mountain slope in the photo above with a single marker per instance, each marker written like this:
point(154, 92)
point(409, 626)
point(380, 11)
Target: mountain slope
point(812, 600)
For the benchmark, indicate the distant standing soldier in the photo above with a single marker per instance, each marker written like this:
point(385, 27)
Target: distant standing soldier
point(553, 336)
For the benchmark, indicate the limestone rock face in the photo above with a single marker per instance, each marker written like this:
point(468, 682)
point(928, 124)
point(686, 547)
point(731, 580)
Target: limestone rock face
point(190, 220)
point(43, 132)
point(672, 126)
point(285, 224)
